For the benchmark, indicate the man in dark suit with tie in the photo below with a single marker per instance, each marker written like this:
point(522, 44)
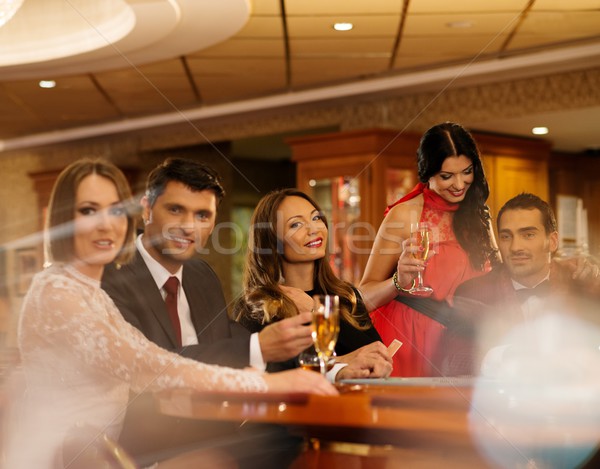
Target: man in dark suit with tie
point(179, 212)
point(516, 290)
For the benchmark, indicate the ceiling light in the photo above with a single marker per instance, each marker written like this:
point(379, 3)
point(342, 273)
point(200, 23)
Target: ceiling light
point(7, 9)
point(460, 24)
point(343, 26)
point(47, 83)
point(539, 130)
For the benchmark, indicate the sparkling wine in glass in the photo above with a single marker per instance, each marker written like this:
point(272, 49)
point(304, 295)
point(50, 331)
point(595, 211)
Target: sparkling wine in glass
point(422, 233)
point(309, 360)
point(325, 327)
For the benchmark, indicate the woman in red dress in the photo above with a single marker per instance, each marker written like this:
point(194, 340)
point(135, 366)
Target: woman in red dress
point(451, 198)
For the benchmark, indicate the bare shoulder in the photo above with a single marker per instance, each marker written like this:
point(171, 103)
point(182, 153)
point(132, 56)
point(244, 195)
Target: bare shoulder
point(406, 212)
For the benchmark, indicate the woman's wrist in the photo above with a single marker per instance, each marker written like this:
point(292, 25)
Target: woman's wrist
point(397, 285)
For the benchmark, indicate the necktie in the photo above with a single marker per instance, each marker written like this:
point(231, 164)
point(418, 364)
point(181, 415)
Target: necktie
point(171, 286)
point(540, 291)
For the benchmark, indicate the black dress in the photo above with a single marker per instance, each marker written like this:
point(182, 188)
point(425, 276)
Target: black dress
point(349, 338)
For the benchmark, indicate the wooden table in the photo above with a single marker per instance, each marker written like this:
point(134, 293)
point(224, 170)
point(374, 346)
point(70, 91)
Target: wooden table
point(425, 425)
point(414, 422)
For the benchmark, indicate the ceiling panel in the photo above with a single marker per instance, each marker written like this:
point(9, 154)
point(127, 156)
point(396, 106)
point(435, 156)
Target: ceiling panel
point(575, 24)
point(152, 88)
point(226, 79)
point(481, 24)
point(343, 47)
point(444, 6)
point(265, 7)
point(15, 117)
point(526, 41)
point(251, 47)
point(342, 7)
point(313, 71)
point(261, 26)
point(462, 46)
point(566, 5)
point(322, 26)
point(64, 104)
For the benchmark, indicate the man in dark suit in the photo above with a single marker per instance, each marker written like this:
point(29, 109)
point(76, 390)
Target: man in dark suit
point(179, 212)
point(529, 278)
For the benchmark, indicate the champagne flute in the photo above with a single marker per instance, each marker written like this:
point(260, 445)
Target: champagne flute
point(422, 233)
point(309, 360)
point(325, 327)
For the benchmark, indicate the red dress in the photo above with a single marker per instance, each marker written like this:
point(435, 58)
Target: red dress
point(447, 269)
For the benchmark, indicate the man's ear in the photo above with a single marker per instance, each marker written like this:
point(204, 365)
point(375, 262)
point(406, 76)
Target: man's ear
point(146, 210)
point(553, 238)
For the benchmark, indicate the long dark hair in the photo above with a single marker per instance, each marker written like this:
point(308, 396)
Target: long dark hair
point(263, 271)
point(471, 220)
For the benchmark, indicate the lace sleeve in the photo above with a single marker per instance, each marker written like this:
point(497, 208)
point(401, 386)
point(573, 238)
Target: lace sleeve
point(90, 328)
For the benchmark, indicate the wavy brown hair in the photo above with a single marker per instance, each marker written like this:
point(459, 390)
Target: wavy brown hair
point(263, 272)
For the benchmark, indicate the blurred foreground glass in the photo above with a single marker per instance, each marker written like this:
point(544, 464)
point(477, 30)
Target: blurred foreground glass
point(539, 406)
point(325, 327)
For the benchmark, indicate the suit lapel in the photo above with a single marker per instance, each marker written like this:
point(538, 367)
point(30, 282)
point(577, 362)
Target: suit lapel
point(192, 286)
point(150, 297)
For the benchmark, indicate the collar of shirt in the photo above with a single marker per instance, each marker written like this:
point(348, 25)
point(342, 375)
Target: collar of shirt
point(158, 272)
point(519, 286)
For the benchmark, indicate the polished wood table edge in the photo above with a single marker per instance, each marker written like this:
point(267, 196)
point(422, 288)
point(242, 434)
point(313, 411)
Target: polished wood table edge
point(380, 407)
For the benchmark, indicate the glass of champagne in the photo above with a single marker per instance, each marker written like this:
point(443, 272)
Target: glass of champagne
point(325, 327)
point(309, 360)
point(422, 233)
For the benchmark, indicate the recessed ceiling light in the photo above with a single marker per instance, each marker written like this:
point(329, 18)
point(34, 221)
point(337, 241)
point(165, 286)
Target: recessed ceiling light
point(460, 24)
point(539, 130)
point(343, 26)
point(47, 83)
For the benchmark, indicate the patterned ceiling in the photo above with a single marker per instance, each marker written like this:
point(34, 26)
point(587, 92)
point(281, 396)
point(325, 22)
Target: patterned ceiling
point(283, 47)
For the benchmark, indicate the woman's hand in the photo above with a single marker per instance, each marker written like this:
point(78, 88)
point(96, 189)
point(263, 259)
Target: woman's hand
point(303, 302)
point(299, 381)
point(408, 266)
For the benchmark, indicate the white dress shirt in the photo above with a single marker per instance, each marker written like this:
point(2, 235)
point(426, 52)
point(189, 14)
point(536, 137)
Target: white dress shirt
point(532, 306)
point(188, 332)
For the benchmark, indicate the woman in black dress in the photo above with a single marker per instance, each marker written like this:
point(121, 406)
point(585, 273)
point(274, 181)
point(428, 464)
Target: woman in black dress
point(286, 264)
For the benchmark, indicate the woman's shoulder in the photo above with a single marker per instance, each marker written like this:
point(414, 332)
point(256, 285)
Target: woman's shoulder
point(406, 209)
point(53, 278)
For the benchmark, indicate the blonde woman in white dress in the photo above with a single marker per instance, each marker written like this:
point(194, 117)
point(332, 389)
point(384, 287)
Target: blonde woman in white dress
point(80, 358)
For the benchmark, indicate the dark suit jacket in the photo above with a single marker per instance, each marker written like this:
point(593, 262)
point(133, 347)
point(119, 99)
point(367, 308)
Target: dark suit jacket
point(495, 289)
point(146, 433)
point(490, 306)
point(220, 340)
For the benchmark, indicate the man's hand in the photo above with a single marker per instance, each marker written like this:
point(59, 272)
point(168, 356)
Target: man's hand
point(582, 269)
point(285, 339)
point(370, 361)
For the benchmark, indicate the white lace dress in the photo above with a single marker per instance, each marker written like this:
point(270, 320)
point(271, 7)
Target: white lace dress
point(80, 359)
